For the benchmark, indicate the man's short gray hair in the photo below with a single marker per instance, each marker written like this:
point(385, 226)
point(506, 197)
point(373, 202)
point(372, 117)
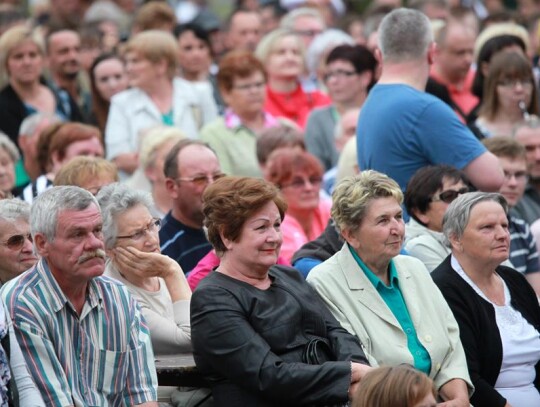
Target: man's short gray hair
point(323, 44)
point(47, 206)
point(9, 147)
point(115, 199)
point(457, 215)
point(288, 19)
point(404, 35)
point(30, 123)
point(14, 209)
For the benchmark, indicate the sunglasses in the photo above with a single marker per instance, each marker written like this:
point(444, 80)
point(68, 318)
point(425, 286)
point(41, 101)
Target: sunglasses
point(450, 195)
point(16, 242)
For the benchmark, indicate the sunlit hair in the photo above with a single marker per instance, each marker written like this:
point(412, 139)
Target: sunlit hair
point(82, 169)
point(352, 196)
point(269, 42)
point(506, 65)
point(397, 386)
point(230, 201)
point(14, 37)
point(284, 163)
point(457, 216)
point(155, 46)
point(506, 147)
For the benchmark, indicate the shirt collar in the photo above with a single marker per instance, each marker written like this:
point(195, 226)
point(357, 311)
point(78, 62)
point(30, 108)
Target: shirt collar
point(233, 122)
point(376, 281)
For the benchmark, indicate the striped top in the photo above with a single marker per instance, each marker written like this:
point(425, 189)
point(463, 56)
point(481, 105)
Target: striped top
point(101, 358)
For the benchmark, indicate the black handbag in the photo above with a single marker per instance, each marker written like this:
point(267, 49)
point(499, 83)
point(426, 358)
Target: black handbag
point(316, 352)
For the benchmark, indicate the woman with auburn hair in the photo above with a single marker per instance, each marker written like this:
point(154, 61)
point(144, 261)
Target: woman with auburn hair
point(298, 175)
point(241, 81)
point(260, 334)
point(283, 55)
point(395, 386)
point(155, 98)
point(510, 95)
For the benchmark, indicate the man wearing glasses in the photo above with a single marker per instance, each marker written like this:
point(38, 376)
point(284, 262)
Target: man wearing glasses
point(523, 251)
point(189, 168)
point(16, 251)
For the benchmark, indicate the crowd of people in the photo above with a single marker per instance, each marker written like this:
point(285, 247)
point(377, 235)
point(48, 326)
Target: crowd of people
point(324, 205)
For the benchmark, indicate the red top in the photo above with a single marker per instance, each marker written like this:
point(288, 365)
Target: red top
point(295, 106)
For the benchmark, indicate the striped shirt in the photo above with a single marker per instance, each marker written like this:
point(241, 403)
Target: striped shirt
point(523, 252)
point(101, 358)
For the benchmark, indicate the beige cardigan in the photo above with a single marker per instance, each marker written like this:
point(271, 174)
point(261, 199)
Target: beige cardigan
point(359, 308)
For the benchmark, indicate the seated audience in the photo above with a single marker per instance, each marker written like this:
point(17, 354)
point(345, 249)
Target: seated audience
point(260, 334)
point(9, 155)
point(95, 348)
point(90, 173)
point(428, 194)
point(57, 145)
point(284, 134)
point(282, 54)
point(395, 386)
point(349, 74)
point(155, 280)
point(241, 80)
point(496, 308)
point(16, 250)
point(523, 252)
point(389, 301)
point(298, 175)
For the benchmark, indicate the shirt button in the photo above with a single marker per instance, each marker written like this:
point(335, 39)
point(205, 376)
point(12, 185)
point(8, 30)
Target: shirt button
point(428, 338)
point(408, 330)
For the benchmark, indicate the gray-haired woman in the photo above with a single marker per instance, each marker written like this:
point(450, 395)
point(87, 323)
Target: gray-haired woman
point(387, 300)
point(496, 308)
point(157, 281)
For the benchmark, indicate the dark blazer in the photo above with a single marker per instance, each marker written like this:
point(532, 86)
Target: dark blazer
point(478, 328)
point(249, 342)
point(12, 113)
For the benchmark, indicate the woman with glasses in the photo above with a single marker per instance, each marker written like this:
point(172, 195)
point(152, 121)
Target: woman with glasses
point(241, 81)
point(350, 73)
point(298, 175)
point(389, 301)
point(509, 96)
point(428, 194)
point(155, 280)
point(496, 308)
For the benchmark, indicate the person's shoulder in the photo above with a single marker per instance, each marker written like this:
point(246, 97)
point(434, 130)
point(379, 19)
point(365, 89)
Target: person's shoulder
point(328, 268)
point(126, 97)
point(213, 129)
point(410, 265)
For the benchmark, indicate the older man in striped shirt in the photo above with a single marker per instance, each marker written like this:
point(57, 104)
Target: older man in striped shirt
point(83, 335)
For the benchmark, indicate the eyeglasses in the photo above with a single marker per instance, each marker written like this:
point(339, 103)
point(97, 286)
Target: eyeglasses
point(250, 86)
point(16, 242)
point(202, 180)
point(449, 195)
point(298, 183)
point(520, 176)
point(526, 84)
point(152, 227)
point(339, 74)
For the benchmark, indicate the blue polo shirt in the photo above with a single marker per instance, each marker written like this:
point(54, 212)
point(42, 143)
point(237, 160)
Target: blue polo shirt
point(393, 298)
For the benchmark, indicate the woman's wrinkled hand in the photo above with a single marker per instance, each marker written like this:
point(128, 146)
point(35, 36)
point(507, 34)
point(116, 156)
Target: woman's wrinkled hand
point(142, 264)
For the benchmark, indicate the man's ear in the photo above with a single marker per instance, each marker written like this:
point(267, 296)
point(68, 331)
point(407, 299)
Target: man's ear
point(432, 52)
point(41, 244)
point(172, 188)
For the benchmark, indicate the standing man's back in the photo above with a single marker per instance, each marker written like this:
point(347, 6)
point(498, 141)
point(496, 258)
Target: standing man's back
point(401, 128)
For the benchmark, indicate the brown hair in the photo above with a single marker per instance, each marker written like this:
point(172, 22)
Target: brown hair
point(398, 386)
point(506, 65)
point(58, 136)
point(81, 169)
point(237, 64)
point(282, 135)
point(230, 201)
point(154, 15)
point(283, 163)
point(505, 147)
point(100, 106)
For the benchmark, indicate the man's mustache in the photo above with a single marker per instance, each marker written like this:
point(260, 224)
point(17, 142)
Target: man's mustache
point(90, 255)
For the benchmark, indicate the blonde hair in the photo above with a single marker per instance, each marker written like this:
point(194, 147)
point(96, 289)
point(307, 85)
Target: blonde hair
point(353, 195)
point(81, 169)
point(156, 45)
point(16, 36)
point(154, 139)
point(268, 42)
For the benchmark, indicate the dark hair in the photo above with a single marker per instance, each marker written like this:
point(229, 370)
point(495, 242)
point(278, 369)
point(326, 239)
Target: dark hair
point(230, 201)
point(237, 64)
point(490, 48)
point(425, 182)
point(197, 31)
point(170, 166)
point(100, 106)
point(359, 56)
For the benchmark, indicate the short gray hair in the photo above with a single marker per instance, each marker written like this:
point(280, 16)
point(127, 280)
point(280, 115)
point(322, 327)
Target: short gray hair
point(30, 123)
point(324, 42)
point(13, 209)
point(288, 19)
point(404, 35)
point(457, 215)
point(267, 43)
point(10, 147)
point(47, 206)
point(115, 199)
